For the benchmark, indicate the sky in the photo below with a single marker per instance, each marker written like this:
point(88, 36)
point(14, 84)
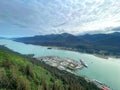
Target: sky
point(36, 17)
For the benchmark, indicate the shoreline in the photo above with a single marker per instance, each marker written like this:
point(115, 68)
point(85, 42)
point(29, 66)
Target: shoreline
point(29, 54)
point(75, 50)
point(66, 64)
point(48, 60)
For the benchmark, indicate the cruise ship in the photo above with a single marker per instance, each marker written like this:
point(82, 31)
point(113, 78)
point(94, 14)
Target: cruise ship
point(83, 63)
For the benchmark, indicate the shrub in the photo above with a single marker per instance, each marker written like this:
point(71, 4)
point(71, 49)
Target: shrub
point(3, 79)
point(23, 84)
point(6, 63)
point(29, 71)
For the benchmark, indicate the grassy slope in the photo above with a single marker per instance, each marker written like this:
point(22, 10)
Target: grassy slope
point(17, 73)
point(13, 64)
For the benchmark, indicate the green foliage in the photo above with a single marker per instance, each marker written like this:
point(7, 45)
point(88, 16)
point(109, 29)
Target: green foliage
point(29, 71)
point(6, 64)
point(19, 72)
point(3, 78)
point(23, 84)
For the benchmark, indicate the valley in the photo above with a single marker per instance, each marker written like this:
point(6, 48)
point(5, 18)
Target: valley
point(96, 66)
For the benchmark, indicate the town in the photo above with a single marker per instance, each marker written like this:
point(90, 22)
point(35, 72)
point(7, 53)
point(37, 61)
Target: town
point(66, 64)
point(70, 66)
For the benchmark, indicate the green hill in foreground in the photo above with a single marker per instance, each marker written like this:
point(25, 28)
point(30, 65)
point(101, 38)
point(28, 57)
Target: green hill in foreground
point(19, 72)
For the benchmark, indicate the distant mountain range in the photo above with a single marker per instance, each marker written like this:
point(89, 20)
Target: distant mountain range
point(108, 44)
point(2, 38)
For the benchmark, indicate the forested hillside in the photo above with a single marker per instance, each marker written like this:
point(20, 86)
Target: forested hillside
point(104, 44)
point(19, 72)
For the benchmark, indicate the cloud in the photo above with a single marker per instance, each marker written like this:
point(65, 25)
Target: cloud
point(116, 29)
point(57, 16)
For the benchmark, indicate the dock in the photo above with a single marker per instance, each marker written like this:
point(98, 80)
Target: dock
point(66, 64)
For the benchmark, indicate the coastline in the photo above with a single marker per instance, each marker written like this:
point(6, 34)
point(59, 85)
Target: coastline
point(57, 48)
point(75, 50)
point(80, 51)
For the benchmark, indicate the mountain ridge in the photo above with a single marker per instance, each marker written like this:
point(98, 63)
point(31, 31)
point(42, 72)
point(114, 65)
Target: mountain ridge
point(109, 43)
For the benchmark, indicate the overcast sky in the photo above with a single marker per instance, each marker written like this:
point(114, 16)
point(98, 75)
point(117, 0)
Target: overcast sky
point(31, 17)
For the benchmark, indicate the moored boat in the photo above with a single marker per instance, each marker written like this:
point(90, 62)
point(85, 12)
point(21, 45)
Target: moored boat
point(83, 63)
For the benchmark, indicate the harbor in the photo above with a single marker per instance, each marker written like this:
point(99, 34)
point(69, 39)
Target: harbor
point(70, 66)
point(66, 64)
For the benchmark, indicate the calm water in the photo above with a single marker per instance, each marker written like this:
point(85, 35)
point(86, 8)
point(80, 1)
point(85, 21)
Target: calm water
point(104, 70)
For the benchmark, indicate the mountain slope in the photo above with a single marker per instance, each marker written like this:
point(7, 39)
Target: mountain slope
point(107, 44)
point(62, 40)
point(105, 39)
point(19, 72)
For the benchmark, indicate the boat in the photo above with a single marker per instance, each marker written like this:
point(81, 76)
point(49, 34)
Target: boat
point(101, 85)
point(49, 48)
point(83, 63)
